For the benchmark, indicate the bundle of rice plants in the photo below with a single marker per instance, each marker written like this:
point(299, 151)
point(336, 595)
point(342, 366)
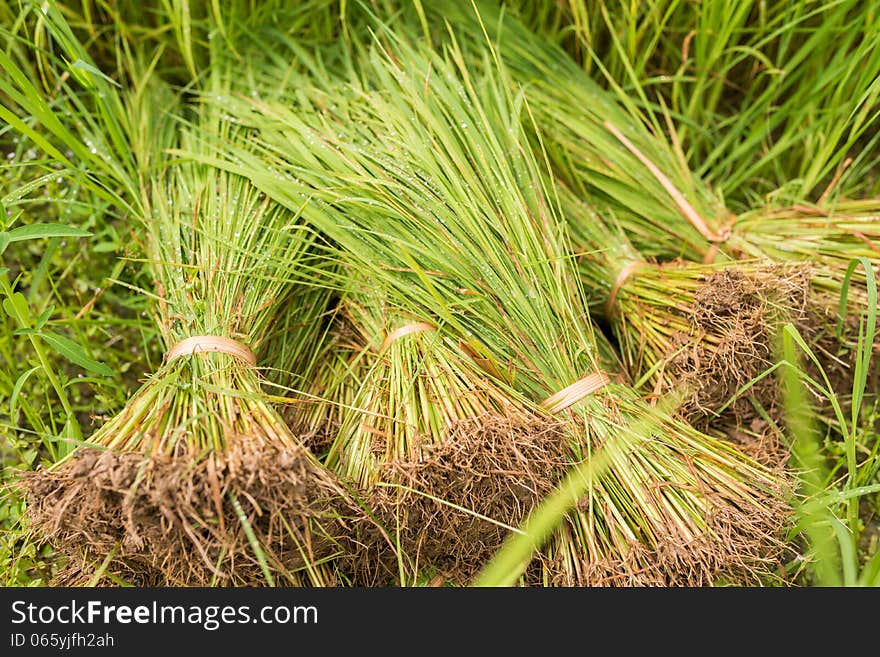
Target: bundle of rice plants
point(760, 104)
point(453, 460)
point(609, 153)
point(595, 138)
point(603, 146)
point(425, 179)
point(197, 480)
point(708, 328)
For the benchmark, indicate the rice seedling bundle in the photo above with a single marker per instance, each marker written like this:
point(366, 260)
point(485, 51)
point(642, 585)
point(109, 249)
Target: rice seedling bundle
point(425, 179)
point(761, 104)
point(594, 137)
point(453, 460)
point(294, 362)
point(198, 480)
point(601, 147)
point(611, 156)
point(708, 328)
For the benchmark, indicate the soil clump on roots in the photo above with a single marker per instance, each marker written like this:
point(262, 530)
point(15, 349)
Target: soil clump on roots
point(734, 323)
point(174, 520)
point(452, 508)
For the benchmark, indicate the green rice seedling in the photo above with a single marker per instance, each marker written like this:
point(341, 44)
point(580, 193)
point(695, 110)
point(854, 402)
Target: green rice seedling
point(60, 290)
point(708, 328)
point(601, 148)
point(799, 116)
point(639, 41)
point(772, 98)
point(298, 347)
point(452, 458)
point(425, 179)
point(185, 35)
point(197, 480)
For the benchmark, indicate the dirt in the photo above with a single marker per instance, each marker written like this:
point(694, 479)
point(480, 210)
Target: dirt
point(742, 313)
point(758, 440)
point(171, 520)
point(489, 470)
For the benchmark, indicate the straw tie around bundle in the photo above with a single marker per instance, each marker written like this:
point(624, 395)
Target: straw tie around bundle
point(577, 391)
point(212, 343)
point(684, 207)
point(403, 331)
point(622, 277)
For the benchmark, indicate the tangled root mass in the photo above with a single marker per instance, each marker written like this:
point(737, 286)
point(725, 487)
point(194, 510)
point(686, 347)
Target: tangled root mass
point(742, 312)
point(449, 511)
point(185, 521)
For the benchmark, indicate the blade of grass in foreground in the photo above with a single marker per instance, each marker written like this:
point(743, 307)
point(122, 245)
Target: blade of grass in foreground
point(804, 441)
point(834, 542)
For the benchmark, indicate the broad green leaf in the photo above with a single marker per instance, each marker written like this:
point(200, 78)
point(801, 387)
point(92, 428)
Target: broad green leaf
point(37, 231)
point(74, 353)
point(105, 247)
point(4, 241)
point(29, 456)
point(16, 306)
point(72, 436)
point(21, 191)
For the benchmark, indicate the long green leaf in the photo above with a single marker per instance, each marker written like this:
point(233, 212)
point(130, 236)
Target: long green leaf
point(16, 389)
point(74, 353)
point(38, 231)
